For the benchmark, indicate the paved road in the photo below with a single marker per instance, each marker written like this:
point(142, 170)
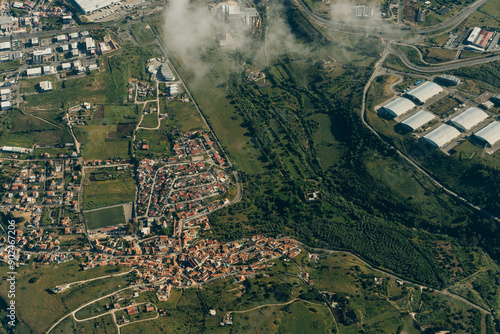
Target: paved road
point(451, 65)
point(385, 272)
point(386, 29)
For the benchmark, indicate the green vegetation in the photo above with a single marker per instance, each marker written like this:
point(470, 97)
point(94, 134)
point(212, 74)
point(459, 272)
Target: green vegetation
point(105, 188)
point(37, 308)
point(437, 55)
point(104, 217)
point(22, 130)
point(114, 114)
point(150, 120)
point(102, 142)
point(142, 33)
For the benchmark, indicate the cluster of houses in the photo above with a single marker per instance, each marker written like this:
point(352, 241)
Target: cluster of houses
point(178, 186)
point(41, 186)
point(171, 260)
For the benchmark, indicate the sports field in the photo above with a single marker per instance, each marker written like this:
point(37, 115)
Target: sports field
point(104, 217)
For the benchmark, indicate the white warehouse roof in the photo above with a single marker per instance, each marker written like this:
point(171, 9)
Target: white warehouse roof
point(419, 119)
point(442, 135)
point(469, 118)
point(425, 91)
point(490, 133)
point(89, 6)
point(399, 106)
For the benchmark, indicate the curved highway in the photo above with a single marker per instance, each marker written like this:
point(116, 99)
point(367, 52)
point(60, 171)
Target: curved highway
point(386, 29)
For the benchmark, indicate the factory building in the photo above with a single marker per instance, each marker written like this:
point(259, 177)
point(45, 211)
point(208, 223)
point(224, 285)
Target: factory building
point(418, 120)
point(424, 92)
point(448, 80)
point(90, 6)
point(442, 135)
point(165, 73)
point(45, 86)
point(469, 119)
point(5, 105)
point(496, 99)
point(399, 107)
point(5, 46)
point(34, 72)
point(490, 134)
point(40, 56)
point(479, 37)
point(362, 11)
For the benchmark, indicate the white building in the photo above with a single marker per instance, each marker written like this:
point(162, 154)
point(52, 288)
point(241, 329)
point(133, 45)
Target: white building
point(490, 134)
point(89, 44)
point(5, 46)
point(166, 73)
point(90, 6)
point(399, 107)
point(5, 94)
point(474, 34)
point(424, 92)
point(65, 66)
point(418, 120)
point(61, 38)
point(46, 86)
point(469, 118)
point(40, 56)
point(5, 105)
point(48, 69)
point(34, 72)
point(442, 135)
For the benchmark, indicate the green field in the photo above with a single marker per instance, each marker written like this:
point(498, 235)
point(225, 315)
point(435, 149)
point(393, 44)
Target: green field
point(31, 85)
point(150, 121)
point(114, 114)
point(104, 217)
point(37, 308)
point(142, 33)
point(25, 131)
point(116, 189)
point(102, 142)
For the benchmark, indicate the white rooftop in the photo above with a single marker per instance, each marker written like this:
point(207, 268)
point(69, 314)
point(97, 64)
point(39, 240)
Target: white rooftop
point(442, 135)
point(399, 106)
point(89, 6)
point(469, 118)
point(490, 133)
point(419, 119)
point(425, 91)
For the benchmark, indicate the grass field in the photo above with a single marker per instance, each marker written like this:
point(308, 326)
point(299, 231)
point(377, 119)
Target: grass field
point(327, 147)
point(437, 55)
point(31, 85)
point(104, 218)
point(37, 308)
point(142, 33)
point(24, 130)
point(101, 142)
point(150, 121)
point(97, 194)
point(115, 113)
point(222, 115)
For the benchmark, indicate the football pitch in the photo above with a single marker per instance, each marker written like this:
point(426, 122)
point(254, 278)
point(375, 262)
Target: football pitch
point(104, 217)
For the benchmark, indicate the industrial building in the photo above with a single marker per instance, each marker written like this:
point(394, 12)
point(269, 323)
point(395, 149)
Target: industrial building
point(90, 6)
point(469, 118)
point(45, 86)
point(490, 134)
point(496, 99)
point(362, 11)
point(165, 73)
point(40, 56)
point(231, 12)
point(442, 135)
point(5, 46)
point(399, 107)
point(34, 72)
point(16, 149)
point(424, 92)
point(479, 37)
point(5, 105)
point(418, 120)
point(448, 80)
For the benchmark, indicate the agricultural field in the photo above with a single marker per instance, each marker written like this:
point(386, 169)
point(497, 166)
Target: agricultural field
point(37, 308)
point(150, 121)
point(114, 114)
point(105, 188)
point(102, 142)
point(142, 33)
point(101, 218)
point(25, 131)
point(444, 107)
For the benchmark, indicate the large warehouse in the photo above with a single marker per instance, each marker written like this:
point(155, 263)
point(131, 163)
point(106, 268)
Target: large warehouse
point(418, 120)
point(399, 107)
point(424, 92)
point(89, 6)
point(469, 118)
point(442, 135)
point(490, 134)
